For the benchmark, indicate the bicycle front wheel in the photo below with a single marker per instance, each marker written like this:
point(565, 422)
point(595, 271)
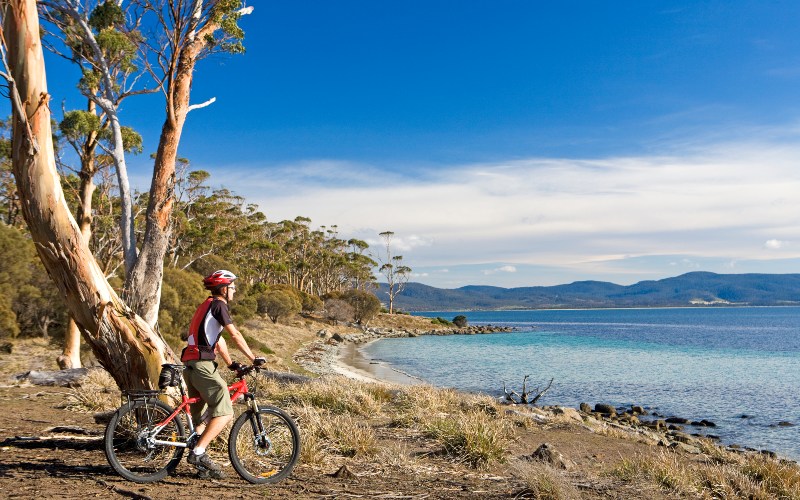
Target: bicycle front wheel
point(265, 446)
point(129, 444)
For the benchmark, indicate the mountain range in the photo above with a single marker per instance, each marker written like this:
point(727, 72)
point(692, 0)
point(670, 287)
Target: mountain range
point(696, 288)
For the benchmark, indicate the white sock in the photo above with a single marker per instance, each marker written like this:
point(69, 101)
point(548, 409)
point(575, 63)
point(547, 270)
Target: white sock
point(199, 451)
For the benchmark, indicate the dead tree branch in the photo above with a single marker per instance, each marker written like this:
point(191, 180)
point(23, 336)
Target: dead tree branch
point(524, 399)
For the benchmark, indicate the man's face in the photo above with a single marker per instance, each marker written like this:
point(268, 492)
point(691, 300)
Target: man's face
point(231, 291)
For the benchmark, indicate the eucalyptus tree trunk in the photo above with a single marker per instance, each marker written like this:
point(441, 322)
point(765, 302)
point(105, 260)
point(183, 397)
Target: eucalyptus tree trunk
point(143, 282)
point(123, 343)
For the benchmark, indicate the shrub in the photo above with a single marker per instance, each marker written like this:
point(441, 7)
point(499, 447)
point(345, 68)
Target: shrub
point(338, 310)
point(460, 321)
point(276, 304)
point(441, 321)
point(311, 303)
point(181, 292)
point(365, 305)
point(543, 481)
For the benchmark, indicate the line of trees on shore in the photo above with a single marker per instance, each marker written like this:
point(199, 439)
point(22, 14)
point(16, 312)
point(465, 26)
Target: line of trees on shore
point(284, 267)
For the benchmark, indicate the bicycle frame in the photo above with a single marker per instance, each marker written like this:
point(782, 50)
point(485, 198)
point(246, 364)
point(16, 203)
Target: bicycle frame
point(237, 389)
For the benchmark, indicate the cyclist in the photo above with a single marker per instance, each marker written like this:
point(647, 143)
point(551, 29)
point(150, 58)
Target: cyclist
point(202, 379)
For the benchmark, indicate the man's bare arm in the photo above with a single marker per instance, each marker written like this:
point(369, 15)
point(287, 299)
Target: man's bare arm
point(240, 342)
point(222, 350)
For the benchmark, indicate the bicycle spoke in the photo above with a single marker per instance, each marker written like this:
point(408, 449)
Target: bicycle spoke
point(129, 446)
point(264, 455)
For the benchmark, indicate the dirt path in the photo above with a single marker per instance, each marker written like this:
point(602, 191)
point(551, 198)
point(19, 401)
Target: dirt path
point(70, 465)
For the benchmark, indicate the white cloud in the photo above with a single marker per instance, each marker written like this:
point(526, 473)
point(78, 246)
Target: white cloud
point(578, 215)
point(501, 269)
point(774, 244)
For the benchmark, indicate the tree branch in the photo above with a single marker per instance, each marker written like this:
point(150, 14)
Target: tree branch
point(201, 105)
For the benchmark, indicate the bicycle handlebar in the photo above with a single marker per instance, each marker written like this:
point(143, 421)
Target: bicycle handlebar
point(246, 370)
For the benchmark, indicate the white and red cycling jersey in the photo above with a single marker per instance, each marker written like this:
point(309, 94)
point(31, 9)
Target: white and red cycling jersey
point(210, 318)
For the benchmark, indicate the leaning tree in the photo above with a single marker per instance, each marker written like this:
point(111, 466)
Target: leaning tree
point(124, 343)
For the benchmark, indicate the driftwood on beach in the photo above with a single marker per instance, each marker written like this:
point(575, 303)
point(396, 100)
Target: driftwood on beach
point(62, 378)
point(524, 398)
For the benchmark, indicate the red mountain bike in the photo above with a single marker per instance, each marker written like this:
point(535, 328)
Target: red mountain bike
point(145, 439)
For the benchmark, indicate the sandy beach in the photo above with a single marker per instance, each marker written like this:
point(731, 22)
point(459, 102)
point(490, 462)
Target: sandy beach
point(348, 360)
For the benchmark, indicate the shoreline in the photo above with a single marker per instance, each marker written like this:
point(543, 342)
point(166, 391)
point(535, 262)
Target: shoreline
point(346, 359)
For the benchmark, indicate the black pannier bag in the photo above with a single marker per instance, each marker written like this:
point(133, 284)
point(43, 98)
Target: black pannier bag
point(169, 377)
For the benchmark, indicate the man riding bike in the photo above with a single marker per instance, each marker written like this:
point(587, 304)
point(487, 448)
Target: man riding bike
point(202, 379)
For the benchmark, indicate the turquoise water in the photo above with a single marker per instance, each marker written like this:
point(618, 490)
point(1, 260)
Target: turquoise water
point(700, 363)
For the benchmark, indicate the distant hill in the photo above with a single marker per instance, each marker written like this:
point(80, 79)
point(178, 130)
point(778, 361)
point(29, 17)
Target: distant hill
point(697, 288)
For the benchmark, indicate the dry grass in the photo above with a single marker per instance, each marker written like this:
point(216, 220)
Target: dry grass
point(332, 394)
point(337, 418)
point(325, 434)
point(475, 438)
point(97, 393)
point(543, 481)
point(753, 477)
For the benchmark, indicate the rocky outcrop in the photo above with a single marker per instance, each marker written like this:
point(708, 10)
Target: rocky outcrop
point(547, 454)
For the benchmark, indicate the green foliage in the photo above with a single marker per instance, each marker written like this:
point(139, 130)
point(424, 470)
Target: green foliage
point(106, 15)
point(230, 35)
point(131, 139)
point(460, 321)
point(30, 304)
point(441, 321)
point(276, 304)
point(311, 303)
point(8, 319)
point(244, 307)
point(89, 80)
point(117, 48)
point(365, 305)
point(181, 293)
point(78, 124)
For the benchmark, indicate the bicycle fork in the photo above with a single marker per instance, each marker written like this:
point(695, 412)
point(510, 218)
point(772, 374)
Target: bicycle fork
point(262, 442)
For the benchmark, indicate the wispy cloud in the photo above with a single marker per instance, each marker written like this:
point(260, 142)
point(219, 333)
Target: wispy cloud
point(720, 202)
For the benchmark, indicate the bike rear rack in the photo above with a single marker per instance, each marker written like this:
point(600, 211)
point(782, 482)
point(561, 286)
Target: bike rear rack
point(141, 394)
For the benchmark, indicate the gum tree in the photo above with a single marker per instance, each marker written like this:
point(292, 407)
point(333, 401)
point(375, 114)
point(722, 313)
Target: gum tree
point(164, 39)
point(392, 267)
point(124, 344)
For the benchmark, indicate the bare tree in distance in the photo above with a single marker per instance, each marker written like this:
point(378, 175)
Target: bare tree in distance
point(392, 268)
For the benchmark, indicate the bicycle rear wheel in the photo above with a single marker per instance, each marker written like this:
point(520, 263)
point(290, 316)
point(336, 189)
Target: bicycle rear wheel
point(265, 446)
point(127, 447)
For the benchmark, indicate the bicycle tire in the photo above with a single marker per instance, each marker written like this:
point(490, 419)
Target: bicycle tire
point(268, 457)
point(126, 451)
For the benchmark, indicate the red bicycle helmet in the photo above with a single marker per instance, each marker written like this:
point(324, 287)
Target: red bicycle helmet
point(218, 279)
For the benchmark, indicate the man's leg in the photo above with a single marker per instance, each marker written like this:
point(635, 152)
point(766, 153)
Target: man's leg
point(212, 430)
point(215, 394)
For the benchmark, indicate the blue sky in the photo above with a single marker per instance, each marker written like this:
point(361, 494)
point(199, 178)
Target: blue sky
point(511, 143)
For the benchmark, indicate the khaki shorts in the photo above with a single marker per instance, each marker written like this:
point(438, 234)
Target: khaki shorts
point(202, 379)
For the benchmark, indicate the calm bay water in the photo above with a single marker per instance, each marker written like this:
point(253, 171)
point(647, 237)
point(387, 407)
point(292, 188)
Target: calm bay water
point(700, 363)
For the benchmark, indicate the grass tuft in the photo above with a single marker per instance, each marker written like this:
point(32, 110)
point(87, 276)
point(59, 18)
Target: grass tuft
point(475, 438)
point(97, 393)
point(543, 481)
point(753, 477)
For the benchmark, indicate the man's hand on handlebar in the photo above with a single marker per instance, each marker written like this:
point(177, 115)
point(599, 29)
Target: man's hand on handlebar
point(259, 361)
